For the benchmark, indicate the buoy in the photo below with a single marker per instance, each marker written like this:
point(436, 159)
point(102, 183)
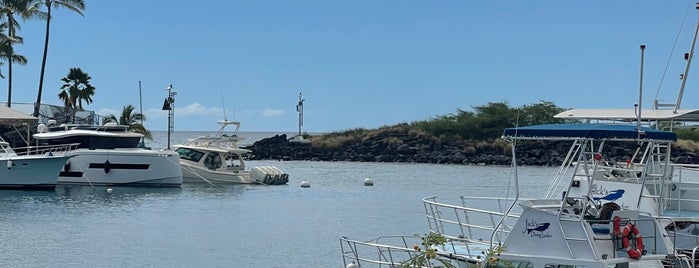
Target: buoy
point(305, 184)
point(369, 182)
point(109, 190)
point(9, 164)
point(352, 265)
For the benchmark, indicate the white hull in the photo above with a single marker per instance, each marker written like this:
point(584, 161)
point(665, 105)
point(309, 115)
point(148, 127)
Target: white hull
point(30, 172)
point(126, 167)
point(193, 173)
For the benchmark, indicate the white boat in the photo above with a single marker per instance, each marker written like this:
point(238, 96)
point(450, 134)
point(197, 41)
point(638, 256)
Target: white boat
point(109, 155)
point(35, 167)
point(218, 159)
point(575, 230)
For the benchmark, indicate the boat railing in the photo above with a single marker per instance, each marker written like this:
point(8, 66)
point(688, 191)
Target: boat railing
point(471, 222)
point(399, 250)
point(384, 251)
point(60, 149)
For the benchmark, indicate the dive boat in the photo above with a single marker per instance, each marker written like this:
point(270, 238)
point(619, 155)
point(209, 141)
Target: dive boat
point(35, 167)
point(589, 225)
point(109, 155)
point(218, 159)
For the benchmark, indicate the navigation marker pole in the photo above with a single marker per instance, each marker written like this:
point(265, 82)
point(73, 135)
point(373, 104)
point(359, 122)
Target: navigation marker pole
point(299, 109)
point(169, 106)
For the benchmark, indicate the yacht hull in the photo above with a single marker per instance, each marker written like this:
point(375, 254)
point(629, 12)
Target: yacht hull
point(193, 173)
point(30, 172)
point(124, 167)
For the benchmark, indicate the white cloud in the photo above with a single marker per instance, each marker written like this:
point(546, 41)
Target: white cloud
point(194, 109)
point(271, 112)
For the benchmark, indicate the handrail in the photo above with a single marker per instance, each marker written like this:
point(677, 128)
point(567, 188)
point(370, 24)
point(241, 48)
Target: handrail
point(45, 149)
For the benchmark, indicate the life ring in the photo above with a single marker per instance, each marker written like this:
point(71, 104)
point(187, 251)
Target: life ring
point(631, 232)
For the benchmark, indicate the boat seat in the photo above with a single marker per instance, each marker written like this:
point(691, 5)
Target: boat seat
point(601, 224)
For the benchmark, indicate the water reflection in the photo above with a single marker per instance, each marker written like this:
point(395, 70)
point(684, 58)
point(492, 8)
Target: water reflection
point(75, 191)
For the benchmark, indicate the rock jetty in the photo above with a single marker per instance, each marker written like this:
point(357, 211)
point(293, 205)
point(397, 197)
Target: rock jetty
point(412, 149)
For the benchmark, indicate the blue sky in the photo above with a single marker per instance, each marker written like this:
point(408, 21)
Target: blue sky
point(358, 63)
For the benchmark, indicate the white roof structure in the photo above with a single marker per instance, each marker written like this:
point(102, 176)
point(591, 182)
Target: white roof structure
point(686, 115)
point(12, 117)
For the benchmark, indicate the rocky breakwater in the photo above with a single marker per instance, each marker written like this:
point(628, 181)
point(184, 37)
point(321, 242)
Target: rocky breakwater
point(392, 147)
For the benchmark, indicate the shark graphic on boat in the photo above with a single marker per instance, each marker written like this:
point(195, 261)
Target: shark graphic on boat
point(539, 228)
point(612, 196)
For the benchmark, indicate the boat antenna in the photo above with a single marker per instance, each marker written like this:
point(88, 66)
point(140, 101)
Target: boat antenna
point(224, 109)
point(640, 94)
point(688, 57)
point(299, 109)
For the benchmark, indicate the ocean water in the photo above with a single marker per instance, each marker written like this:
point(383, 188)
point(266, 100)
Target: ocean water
point(201, 225)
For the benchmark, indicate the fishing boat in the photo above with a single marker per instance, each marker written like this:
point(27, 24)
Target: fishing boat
point(218, 159)
point(573, 229)
point(35, 167)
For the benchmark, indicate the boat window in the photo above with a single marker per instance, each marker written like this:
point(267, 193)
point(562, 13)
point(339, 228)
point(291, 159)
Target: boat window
point(213, 161)
point(190, 154)
point(233, 161)
point(564, 266)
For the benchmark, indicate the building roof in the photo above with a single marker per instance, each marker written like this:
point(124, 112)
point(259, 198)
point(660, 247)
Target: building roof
point(686, 115)
point(12, 117)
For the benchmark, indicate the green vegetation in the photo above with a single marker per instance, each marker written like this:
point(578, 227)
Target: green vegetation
point(76, 88)
point(78, 6)
point(131, 119)
point(488, 121)
point(10, 10)
point(485, 123)
point(428, 252)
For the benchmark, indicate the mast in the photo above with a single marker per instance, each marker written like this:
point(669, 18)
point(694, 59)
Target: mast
point(140, 103)
point(140, 100)
point(688, 57)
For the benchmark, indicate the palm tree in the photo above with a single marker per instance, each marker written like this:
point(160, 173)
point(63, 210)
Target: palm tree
point(130, 118)
point(7, 54)
point(75, 5)
point(26, 9)
point(5, 43)
point(76, 88)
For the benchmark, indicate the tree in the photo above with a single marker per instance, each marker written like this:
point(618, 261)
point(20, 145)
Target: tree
point(76, 88)
point(131, 119)
point(7, 54)
point(75, 5)
point(5, 43)
point(26, 9)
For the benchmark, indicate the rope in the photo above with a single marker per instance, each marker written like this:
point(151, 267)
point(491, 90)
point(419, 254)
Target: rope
point(87, 178)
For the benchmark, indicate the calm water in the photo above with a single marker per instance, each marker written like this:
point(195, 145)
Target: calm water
point(237, 226)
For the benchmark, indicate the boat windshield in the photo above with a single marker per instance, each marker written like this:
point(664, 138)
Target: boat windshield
point(189, 154)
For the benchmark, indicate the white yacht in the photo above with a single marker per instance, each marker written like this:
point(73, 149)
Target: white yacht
point(218, 159)
point(109, 155)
